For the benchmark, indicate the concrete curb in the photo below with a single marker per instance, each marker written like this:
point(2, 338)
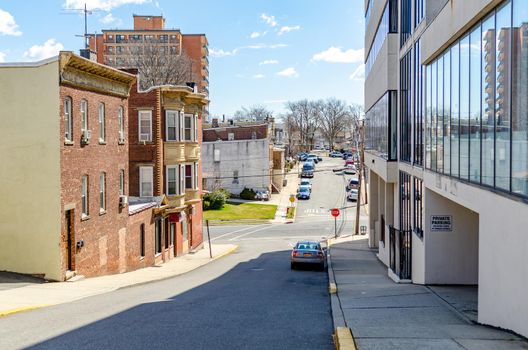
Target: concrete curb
point(343, 337)
point(21, 309)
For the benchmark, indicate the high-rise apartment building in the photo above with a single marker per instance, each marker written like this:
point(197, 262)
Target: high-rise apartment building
point(119, 47)
point(447, 147)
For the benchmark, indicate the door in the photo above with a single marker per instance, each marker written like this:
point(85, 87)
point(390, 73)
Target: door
point(70, 245)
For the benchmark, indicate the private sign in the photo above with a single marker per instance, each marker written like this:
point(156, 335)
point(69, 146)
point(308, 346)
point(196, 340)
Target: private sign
point(441, 223)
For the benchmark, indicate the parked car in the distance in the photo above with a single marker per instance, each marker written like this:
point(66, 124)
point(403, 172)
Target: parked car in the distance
point(336, 154)
point(303, 192)
point(262, 195)
point(350, 169)
point(313, 157)
point(302, 156)
point(347, 154)
point(308, 169)
point(307, 252)
point(353, 183)
point(306, 182)
point(352, 195)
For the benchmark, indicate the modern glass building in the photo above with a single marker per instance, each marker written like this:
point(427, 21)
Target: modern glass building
point(446, 95)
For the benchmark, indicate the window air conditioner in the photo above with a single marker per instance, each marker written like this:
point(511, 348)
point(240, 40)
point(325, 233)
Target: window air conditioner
point(144, 137)
point(123, 201)
point(86, 135)
point(121, 136)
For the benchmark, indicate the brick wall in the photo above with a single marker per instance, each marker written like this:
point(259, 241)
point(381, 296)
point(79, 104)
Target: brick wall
point(133, 242)
point(104, 235)
point(149, 23)
point(240, 132)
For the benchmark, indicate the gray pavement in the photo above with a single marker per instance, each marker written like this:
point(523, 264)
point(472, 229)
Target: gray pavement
point(386, 315)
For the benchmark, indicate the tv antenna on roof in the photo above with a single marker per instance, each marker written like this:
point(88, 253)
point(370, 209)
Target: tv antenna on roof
point(86, 13)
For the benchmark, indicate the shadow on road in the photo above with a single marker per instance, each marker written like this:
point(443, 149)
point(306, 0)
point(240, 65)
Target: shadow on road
point(258, 304)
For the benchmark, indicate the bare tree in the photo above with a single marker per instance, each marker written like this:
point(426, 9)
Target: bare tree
point(303, 116)
point(334, 118)
point(157, 66)
point(256, 112)
point(355, 116)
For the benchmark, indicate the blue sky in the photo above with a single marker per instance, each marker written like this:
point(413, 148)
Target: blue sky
point(260, 51)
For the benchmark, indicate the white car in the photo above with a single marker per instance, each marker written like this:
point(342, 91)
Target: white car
point(352, 195)
point(350, 169)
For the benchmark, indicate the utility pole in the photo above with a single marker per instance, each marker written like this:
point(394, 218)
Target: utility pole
point(360, 180)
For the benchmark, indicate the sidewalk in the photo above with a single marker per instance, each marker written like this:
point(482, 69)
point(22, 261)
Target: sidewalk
point(385, 315)
point(40, 295)
point(282, 199)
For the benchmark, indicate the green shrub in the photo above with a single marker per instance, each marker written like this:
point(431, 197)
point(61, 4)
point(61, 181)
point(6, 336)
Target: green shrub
point(247, 193)
point(215, 200)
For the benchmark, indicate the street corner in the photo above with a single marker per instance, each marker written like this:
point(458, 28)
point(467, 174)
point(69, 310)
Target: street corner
point(344, 340)
point(227, 252)
point(8, 312)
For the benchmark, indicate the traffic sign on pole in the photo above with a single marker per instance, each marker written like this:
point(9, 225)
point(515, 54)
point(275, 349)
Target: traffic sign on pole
point(334, 212)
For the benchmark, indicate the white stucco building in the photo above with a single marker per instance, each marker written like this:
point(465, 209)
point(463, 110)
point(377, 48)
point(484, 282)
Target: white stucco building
point(447, 147)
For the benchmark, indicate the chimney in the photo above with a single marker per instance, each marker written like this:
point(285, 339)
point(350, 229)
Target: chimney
point(88, 54)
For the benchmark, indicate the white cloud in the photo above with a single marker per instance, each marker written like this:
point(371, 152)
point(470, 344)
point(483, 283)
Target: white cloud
point(287, 29)
point(288, 72)
point(2, 57)
point(106, 5)
point(359, 73)
point(263, 63)
point(337, 55)
point(8, 25)
point(270, 20)
point(221, 53)
point(48, 49)
point(258, 76)
point(109, 18)
point(255, 35)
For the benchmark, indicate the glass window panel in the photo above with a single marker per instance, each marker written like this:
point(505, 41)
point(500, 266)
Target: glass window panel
point(502, 97)
point(474, 105)
point(440, 117)
point(446, 132)
point(428, 117)
point(434, 111)
point(464, 108)
point(455, 109)
point(519, 98)
point(488, 100)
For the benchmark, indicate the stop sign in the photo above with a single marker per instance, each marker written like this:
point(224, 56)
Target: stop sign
point(334, 212)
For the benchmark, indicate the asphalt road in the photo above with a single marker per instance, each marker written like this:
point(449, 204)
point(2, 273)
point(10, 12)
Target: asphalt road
point(248, 300)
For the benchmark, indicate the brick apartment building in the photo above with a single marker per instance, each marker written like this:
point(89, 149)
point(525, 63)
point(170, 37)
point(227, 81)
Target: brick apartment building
point(65, 154)
point(115, 47)
point(165, 167)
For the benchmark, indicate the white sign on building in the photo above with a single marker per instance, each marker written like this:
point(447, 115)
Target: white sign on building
point(441, 223)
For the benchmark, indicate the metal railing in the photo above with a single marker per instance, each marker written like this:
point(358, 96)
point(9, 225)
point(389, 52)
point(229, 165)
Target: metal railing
point(400, 252)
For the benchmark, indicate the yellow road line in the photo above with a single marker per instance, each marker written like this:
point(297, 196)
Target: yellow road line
point(21, 309)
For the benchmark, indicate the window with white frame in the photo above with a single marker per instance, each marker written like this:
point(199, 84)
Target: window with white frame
point(84, 115)
point(189, 176)
point(121, 182)
point(84, 196)
point(188, 127)
point(121, 123)
point(173, 183)
point(146, 187)
point(68, 132)
point(102, 122)
point(195, 176)
point(171, 125)
point(145, 126)
point(102, 192)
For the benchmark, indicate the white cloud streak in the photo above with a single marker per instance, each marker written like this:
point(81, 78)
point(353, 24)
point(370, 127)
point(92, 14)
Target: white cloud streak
point(109, 18)
point(255, 35)
point(222, 53)
point(105, 5)
point(259, 76)
point(359, 73)
point(270, 20)
point(266, 62)
point(287, 29)
point(337, 55)
point(8, 25)
point(48, 49)
point(289, 72)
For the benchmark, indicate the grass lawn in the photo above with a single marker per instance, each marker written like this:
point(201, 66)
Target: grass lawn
point(242, 211)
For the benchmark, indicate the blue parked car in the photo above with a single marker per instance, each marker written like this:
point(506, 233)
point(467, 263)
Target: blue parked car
point(304, 192)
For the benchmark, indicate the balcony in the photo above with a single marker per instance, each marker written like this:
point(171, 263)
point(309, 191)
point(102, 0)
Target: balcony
point(192, 151)
point(192, 196)
point(174, 152)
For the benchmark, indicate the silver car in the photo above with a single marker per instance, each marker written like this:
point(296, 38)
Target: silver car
point(308, 252)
